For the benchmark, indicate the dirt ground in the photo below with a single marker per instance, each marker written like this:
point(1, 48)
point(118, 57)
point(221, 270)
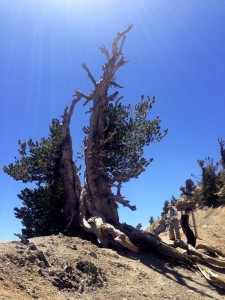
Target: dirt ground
point(60, 267)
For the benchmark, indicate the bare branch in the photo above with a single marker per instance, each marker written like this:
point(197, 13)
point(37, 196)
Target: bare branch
point(115, 51)
point(118, 100)
point(89, 74)
point(121, 46)
point(113, 96)
point(116, 84)
point(120, 177)
point(79, 96)
point(121, 62)
point(105, 52)
point(67, 115)
point(121, 200)
point(89, 111)
point(88, 99)
point(105, 141)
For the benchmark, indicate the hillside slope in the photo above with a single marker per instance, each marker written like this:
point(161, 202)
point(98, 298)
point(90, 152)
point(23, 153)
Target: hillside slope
point(60, 267)
point(210, 227)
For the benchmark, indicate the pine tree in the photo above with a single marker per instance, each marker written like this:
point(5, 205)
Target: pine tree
point(188, 189)
point(113, 154)
point(209, 187)
point(151, 220)
point(42, 211)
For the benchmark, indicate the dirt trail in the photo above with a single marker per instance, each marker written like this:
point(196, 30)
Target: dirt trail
point(80, 270)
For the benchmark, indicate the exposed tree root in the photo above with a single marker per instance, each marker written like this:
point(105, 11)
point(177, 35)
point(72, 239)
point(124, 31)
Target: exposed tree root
point(206, 258)
point(104, 231)
point(203, 258)
point(149, 241)
point(212, 277)
point(211, 250)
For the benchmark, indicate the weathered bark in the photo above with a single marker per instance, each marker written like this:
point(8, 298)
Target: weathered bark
point(202, 257)
point(68, 171)
point(218, 262)
point(98, 204)
point(99, 188)
point(211, 250)
point(213, 277)
point(94, 205)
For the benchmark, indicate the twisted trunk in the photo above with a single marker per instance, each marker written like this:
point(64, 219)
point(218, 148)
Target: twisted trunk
point(68, 172)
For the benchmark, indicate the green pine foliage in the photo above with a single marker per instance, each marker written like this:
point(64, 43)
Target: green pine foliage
point(221, 186)
point(139, 226)
point(209, 184)
point(42, 213)
point(151, 220)
point(188, 189)
point(130, 131)
point(42, 210)
point(41, 163)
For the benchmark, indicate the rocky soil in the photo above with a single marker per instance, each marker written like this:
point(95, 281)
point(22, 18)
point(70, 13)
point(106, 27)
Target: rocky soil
point(60, 267)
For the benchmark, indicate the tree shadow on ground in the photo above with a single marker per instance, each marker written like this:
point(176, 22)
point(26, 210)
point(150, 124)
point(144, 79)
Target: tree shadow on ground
point(174, 271)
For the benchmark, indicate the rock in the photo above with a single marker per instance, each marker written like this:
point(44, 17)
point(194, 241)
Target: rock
point(205, 226)
point(52, 272)
point(81, 288)
point(68, 268)
point(41, 264)
point(31, 258)
point(20, 251)
point(144, 294)
point(93, 254)
point(32, 247)
point(42, 257)
point(74, 247)
point(40, 272)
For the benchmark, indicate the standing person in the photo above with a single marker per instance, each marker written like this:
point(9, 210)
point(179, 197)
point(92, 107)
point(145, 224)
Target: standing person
point(191, 239)
point(172, 217)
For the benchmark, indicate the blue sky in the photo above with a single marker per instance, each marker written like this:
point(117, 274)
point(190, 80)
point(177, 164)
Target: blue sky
point(176, 53)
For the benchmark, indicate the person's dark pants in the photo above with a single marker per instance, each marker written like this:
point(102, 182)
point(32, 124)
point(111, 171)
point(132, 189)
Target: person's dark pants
point(191, 239)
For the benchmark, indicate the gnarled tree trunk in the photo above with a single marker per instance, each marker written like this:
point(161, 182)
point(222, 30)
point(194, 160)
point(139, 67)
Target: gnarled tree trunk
point(96, 204)
point(68, 172)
